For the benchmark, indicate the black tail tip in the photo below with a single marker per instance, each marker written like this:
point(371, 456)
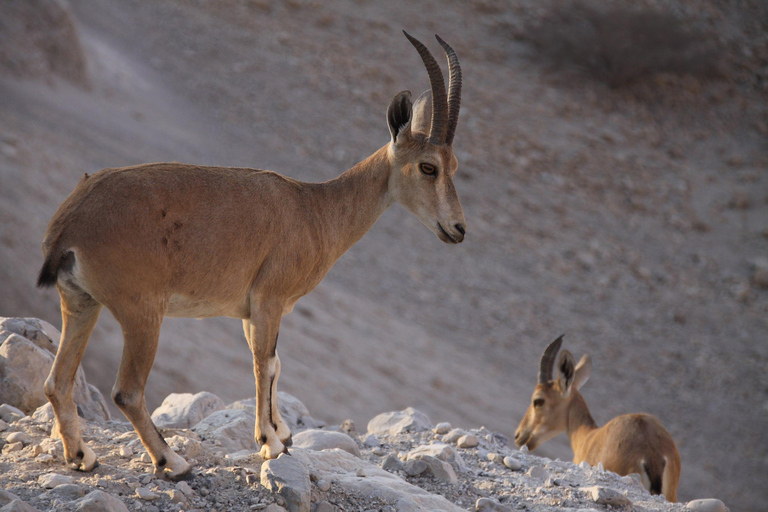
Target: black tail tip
point(47, 276)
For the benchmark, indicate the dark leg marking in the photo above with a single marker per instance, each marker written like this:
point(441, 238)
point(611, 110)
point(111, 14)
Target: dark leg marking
point(162, 462)
point(119, 399)
point(80, 454)
point(271, 419)
point(263, 439)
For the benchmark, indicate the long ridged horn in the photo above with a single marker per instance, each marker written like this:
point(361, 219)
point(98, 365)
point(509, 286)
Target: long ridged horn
point(454, 90)
point(439, 97)
point(547, 365)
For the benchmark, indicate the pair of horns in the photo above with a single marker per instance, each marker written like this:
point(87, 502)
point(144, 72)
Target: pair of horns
point(445, 110)
point(547, 364)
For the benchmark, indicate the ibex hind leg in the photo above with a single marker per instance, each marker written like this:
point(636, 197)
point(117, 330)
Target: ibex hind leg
point(281, 427)
point(79, 313)
point(141, 330)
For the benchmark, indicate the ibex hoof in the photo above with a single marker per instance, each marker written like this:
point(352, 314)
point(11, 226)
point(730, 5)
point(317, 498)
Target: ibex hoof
point(175, 469)
point(268, 452)
point(85, 460)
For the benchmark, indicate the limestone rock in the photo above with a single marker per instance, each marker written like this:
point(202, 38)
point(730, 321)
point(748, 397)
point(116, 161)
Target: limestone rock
point(315, 439)
point(407, 420)
point(468, 441)
point(10, 413)
point(232, 429)
point(440, 451)
point(513, 463)
point(414, 467)
point(605, 496)
point(442, 428)
point(67, 492)
point(27, 349)
point(100, 501)
point(294, 413)
point(490, 505)
point(437, 468)
point(706, 505)
point(288, 477)
point(184, 410)
point(51, 480)
point(18, 506)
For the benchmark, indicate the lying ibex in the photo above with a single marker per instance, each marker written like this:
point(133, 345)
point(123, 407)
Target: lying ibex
point(179, 240)
point(631, 443)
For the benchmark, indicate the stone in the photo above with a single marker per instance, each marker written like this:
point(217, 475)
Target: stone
point(273, 507)
point(185, 488)
point(490, 505)
point(288, 477)
point(294, 413)
point(706, 505)
point(467, 441)
point(125, 452)
point(232, 429)
point(18, 506)
point(17, 437)
point(414, 467)
point(187, 447)
point(440, 451)
point(6, 497)
point(391, 463)
point(512, 463)
point(67, 492)
point(606, 496)
point(184, 410)
point(10, 413)
point(44, 414)
point(145, 494)
point(393, 423)
point(51, 480)
point(453, 435)
point(438, 469)
point(442, 428)
point(3, 426)
point(27, 349)
point(100, 501)
point(315, 439)
point(13, 447)
point(145, 457)
point(324, 506)
point(371, 442)
point(324, 485)
point(538, 472)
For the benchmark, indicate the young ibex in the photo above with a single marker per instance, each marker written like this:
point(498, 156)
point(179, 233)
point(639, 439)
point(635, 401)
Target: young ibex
point(631, 443)
point(179, 240)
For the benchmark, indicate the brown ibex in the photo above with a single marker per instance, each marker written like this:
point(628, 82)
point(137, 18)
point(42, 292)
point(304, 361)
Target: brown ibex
point(631, 443)
point(170, 239)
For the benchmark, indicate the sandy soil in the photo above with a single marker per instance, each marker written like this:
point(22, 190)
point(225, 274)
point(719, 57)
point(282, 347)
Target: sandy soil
point(629, 219)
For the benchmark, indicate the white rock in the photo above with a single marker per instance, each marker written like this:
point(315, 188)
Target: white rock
point(513, 463)
point(440, 451)
point(288, 477)
point(145, 457)
point(442, 428)
point(414, 467)
point(453, 435)
point(232, 429)
point(315, 439)
point(274, 507)
point(407, 420)
point(125, 452)
point(371, 441)
point(13, 447)
point(18, 506)
point(185, 488)
point(145, 494)
point(10, 413)
point(467, 441)
point(51, 480)
point(293, 412)
point(44, 413)
point(177, 496)
point(67, 492)
point(538, 472)
point(17, 437)
point(3, 426)
point(437, 468)
point(324, 506)
point(184, 410)
point(605, 496)
point(490, 505)
point(100, 501)
point(706, 505)
point(324, 485)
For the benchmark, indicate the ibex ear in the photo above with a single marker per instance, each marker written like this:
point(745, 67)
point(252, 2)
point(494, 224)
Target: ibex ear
point(565, 372)
point(583, 371)
point(399, 116)
point(422, 113)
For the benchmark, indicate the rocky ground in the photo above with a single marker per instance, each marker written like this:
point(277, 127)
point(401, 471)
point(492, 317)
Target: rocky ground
point(631, 218)
point(401, 462)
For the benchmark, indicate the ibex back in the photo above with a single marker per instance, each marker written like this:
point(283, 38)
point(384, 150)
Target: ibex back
point(630, 443)
point(169, 239)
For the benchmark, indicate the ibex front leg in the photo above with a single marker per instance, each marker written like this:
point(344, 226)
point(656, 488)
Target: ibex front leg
point(261, 331)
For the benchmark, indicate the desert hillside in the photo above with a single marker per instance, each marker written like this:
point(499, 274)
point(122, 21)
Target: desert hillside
point(629, 212)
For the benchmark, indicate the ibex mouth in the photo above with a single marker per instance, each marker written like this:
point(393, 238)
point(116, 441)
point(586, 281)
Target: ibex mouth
point(447, 237)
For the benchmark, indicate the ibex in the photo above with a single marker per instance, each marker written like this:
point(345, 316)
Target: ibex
point(631, 443)
point(177, 240)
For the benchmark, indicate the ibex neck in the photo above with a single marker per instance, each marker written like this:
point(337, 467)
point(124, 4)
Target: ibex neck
point(580, 423)
point(355, 200)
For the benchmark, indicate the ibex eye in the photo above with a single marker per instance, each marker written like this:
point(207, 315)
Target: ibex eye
point(427, 169)
point(538, 402)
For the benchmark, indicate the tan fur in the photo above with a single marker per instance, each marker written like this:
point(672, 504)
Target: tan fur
point(171, 239)
point(631, 443)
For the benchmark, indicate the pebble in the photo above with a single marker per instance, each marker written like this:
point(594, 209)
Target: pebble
point(392, 463)
point(453, 435)
point(371, 441)
point(177, 496)
point(36, 450)
point(324, 506)
point(252, 479)
point(442, 428)
point(467, 441)
point(378, 451)
point(125, 452)
point(45, 458)
point(490, 505)
point(13, 447)
point(145, 457)
point(606, 496)
point(145, 494)
point(414, 467)
point(51, 480)
point(68, 492)
point(513, 463)
point(3, 426)
point(146, 479)
point(17, 437)
point(538, 472)
point(495, 457)
point(706, 505)
point(324, 485)
point(185, 488)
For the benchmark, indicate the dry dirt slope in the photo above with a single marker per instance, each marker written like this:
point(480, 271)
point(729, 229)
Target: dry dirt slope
point(628, 225)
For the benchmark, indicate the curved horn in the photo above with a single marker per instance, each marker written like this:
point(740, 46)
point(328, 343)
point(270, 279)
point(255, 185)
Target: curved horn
point(454, 90)
point(547, 364)
point(439, 98)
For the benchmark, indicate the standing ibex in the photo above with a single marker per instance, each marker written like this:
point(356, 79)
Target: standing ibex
point(631, 443)
point(180, 240)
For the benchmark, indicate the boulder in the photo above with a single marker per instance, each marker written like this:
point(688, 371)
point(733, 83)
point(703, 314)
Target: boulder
point(27, 349)
point(18, 506)
point(100, 501)
point(606, 496)
point(294, 413)
point(288, 477)
point(315, 439)
point(440, 451)
point(184, 410)
point(232, 429)
point(706, 505)
point(407, 420)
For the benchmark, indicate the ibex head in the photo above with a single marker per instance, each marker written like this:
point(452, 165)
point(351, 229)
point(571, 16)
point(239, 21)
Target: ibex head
point(547, 415)
point(420, 151)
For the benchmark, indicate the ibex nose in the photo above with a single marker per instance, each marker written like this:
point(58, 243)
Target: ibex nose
point(461, 229)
